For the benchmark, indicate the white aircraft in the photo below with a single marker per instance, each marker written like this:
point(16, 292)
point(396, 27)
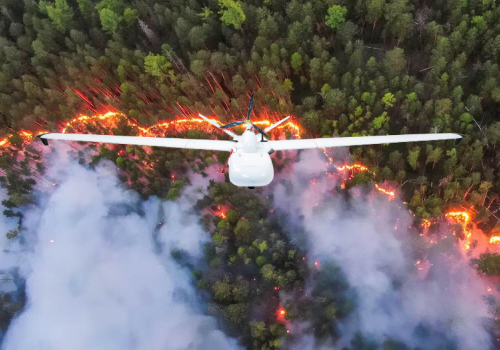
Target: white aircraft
point(249, 161)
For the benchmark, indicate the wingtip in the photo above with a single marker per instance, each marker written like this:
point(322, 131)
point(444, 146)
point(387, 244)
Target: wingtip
point(44, 140)
point(458, 140)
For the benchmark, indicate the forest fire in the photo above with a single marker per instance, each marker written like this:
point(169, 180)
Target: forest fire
point(360, 168)
point(463, 218)
point(110, 119)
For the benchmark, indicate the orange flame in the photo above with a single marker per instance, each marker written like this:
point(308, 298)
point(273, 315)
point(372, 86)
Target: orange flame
point(463, 218)
point(495, 239)
point(221, 212)
point(390, 194)
point(426, 223)
point(354, 167)
point(359, 167)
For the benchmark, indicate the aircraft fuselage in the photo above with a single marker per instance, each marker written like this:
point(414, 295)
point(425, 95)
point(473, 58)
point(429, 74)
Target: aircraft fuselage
point(250, 163)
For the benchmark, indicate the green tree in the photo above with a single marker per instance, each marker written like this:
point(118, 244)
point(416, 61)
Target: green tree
point(130, 16)
point(398, 17)
point(61, 15)
point(394, 62)
point(488, 264)
point(296, 62)
point(268, 272)
point(110, 20)
point(231, 13)
point(375, 11)
point(336, 16)
point(434, 156)
point(258, 330)
point(242, 231)
point(223, 291)
point(388, 100)
point(413, 158)
point(235, 313)
point(158, 66)
point(379, 122)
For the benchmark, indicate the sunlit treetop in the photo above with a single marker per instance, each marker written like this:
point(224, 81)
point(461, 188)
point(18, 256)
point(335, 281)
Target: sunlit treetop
point(232, 13)
point(336, 16)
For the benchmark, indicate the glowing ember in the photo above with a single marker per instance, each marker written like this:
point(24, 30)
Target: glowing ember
point(281, 314)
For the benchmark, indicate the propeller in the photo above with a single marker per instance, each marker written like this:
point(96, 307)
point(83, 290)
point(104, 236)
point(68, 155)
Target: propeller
point(247, 120)
point(260, 131)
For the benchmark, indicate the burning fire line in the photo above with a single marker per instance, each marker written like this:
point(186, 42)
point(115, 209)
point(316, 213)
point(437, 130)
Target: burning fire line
point(358, 167)
point(390, 194)
point(154, 130)
point(354, 167)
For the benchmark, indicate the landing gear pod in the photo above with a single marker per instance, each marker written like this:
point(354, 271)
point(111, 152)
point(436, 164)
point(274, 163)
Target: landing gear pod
point(250, 169)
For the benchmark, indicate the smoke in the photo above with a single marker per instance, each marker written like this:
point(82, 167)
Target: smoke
point(8, 257)
point(100, 270)
point(371, 240)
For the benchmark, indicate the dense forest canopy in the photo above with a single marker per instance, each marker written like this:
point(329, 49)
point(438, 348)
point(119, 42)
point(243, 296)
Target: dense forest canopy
point(341, 68)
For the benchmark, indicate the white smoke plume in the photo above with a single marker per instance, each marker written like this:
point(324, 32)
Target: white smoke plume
point(8, 257)
point(370, 239)
point(100, 273)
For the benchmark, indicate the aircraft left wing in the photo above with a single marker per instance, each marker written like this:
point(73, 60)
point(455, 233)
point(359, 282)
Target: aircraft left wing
point(280, 145)
point(211, 145)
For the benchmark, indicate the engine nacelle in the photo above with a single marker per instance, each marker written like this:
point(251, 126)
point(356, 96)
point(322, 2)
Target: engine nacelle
point(250, 169)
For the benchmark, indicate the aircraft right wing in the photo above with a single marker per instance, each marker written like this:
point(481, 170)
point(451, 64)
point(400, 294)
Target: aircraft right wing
point(280, 145)
point(211, 145)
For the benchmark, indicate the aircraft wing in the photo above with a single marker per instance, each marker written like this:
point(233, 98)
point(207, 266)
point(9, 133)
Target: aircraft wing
point(280, 145)
point(212, 145)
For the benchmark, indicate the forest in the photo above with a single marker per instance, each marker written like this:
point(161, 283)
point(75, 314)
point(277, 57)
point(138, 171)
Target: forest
point(340, 68)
